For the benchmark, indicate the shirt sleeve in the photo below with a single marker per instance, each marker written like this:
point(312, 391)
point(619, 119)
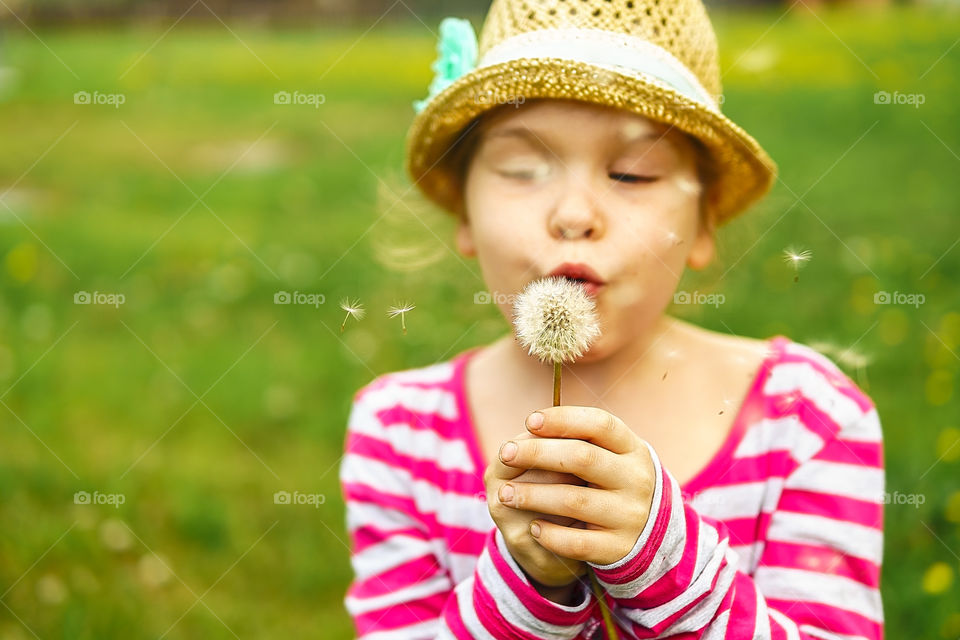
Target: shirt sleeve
point(818, 575)
point(401, 589)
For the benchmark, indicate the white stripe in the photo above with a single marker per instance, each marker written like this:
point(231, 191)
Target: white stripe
point(804, 351)
point(852, 539)
point(810, 630)
point(838, 478)
point(419, 444)
point(468, 611)
point(812, 586)
point(788, 625)
point(440, 372)
point(514, 611)
point(702, 583)
point(450, 509)
point(744, 500)
point(622, 52)
point(361, 514)
point(718, 628)
point(416, 399)
point(437, 584)
point(866, 429)
point(761, 627)
point(749, 555)
point(462, 566)
point(390, 553)
point(426, 629)
point(783, 434)
point(705, 610)
point(802, 377)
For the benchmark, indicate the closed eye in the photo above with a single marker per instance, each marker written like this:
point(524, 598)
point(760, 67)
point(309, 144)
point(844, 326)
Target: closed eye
point(632, 179)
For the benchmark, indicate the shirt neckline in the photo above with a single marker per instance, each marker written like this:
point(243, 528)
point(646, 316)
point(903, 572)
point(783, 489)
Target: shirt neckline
point(750, 407)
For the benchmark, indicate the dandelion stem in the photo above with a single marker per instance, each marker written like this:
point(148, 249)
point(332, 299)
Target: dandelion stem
point(556, 383)
point(342, 326)
point(598, 592)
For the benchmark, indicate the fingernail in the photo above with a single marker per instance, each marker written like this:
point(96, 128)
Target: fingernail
point(508, 451)
point(506, 493)
point(535, 530)
point(535, 420)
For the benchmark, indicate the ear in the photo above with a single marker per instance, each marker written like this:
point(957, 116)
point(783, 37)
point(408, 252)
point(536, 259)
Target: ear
point(464, 239)
point(704, 245)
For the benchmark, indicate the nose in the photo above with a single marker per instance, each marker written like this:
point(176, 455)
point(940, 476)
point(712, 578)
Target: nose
point(576, 214)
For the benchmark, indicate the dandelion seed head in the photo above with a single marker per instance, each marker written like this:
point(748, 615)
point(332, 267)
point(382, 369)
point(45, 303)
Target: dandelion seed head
point(796, 258)
point(555, 319)
point(353, 307)
point(400, 309)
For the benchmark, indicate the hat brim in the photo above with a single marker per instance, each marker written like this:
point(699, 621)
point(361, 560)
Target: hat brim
point(743, 170)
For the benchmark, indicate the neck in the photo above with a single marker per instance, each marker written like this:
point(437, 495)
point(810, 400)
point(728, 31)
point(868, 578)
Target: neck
point(590, 380)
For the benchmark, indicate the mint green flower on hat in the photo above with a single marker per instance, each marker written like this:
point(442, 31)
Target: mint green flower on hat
point(458, 55)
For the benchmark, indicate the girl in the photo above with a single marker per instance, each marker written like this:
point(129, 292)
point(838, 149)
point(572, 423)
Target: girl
point(717, 487)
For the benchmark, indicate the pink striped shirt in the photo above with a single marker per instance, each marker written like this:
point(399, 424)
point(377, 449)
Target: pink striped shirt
point(779, 536)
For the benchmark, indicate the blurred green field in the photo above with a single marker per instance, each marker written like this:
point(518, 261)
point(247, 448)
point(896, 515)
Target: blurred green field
point(199, 398)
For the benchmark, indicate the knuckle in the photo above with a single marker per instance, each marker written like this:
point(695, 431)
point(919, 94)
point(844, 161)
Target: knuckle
point(586, 456)
point(574, 501)
point(609, 423)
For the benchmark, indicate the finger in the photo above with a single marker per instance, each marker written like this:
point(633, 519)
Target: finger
point(595, 506)
point(501, 471)
point(592, 424)
point(598, 547)
point(583, 459)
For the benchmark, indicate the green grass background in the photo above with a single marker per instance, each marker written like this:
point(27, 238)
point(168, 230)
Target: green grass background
point(199, 398)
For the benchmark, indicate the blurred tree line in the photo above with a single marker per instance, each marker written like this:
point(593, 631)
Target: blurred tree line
point(290, 11)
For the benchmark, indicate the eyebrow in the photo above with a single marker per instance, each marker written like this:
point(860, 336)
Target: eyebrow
point(538, 140)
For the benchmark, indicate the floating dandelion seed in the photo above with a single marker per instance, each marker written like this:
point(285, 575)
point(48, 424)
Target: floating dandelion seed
point(353, 308)
point(797, 259)
point(400, 310)
point(556, 321)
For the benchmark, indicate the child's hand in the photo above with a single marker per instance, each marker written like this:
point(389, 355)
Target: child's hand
point(598, 447)
point(539, 563)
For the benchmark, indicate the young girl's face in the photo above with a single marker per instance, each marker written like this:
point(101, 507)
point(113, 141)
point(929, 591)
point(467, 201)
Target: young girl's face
point(561, 181)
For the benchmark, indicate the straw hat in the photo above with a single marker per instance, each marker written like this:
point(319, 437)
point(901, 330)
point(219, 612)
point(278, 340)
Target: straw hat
point(655, 58)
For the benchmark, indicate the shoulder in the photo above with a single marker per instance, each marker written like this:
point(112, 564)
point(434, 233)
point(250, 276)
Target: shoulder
point(803, 382)
point(426, 391)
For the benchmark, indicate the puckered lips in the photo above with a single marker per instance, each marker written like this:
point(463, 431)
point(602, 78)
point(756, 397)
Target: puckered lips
point(582, 273)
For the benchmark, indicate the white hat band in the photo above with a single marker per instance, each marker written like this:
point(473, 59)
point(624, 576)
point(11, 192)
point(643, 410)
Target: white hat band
point(617, 52)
